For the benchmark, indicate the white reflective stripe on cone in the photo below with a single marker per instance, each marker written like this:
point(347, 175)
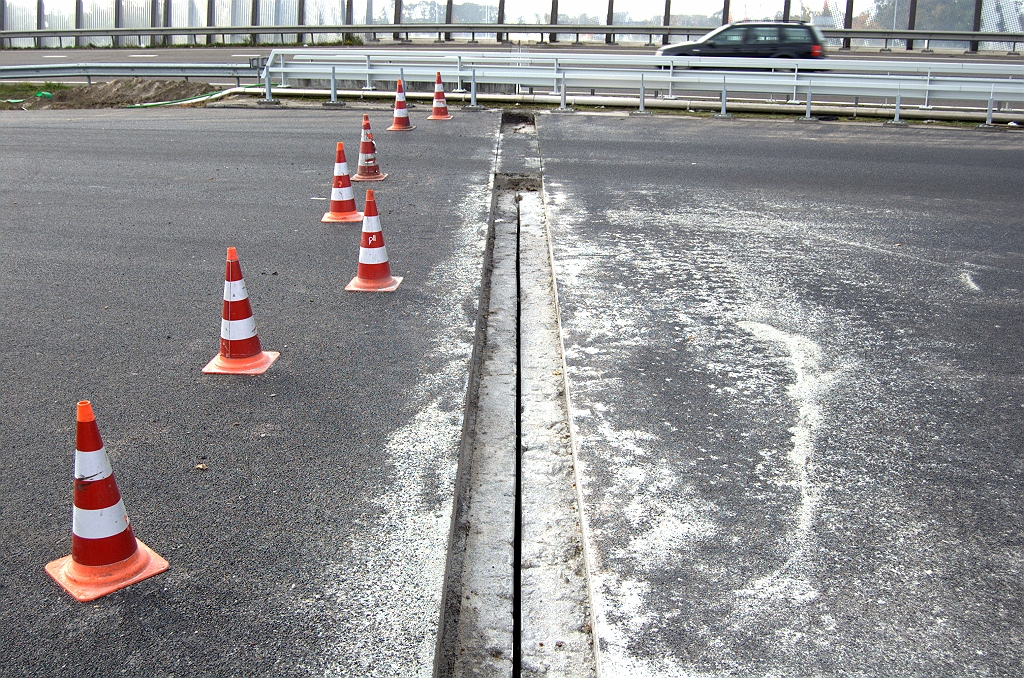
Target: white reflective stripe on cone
point(367, 158)
point(236, 330)
point(373, 255)
point(438, 87)
point(401, 113)
point(99, 523)
point(342, 193)
point(234, 290)
point(371, 224)
point(92, 465)
point(340, 168)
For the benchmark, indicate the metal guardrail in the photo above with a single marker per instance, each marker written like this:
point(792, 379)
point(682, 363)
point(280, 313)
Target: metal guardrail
point(490, 28)
point(151, 70)
point(935, 81)
point(958, 84)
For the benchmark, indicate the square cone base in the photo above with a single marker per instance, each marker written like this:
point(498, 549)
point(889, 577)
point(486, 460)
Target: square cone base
point(257, 364)
point(440, 117)
point(344, 217)
point(400, 129)
point(89, 582)
point(358, 284)
point(370, 177)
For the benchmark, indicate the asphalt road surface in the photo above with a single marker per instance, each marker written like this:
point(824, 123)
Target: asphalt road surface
point(795, 357)
point(314, 541)
point(794, 353)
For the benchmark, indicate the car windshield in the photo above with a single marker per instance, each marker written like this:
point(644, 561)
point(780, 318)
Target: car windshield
point(712, 34)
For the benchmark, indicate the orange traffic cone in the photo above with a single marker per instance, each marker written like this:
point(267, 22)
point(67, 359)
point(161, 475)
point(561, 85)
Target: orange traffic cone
point(374, 272)
point(367, 169)
point(401, 122)
point(240, 350)
point(343, 202)
point(440, 109)
point(105, 555)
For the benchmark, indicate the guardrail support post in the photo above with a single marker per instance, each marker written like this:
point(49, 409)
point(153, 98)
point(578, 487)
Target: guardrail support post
point(899, 102)
point(334, 103)
point(725, 94)
point(643, 96)
point(562, 108)
point(671, 77)
point(807, 116)
point(268, 100)
point(927, 88)
point(991, 103)
point(369, 83)
point(459, 89)
point(472, 95)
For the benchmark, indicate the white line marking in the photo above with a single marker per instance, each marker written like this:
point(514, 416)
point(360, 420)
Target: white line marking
point(246, 55)
point(142, 56)
point(55, 56)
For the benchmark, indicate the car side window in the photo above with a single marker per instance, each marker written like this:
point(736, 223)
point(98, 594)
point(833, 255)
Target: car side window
point(731, 36)
point(764, 35)
point(796, 34)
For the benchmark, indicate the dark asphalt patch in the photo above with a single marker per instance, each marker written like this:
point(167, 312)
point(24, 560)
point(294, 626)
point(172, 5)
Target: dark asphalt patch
point(313, 541)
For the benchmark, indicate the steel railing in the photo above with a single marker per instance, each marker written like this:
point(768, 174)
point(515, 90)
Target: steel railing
point(960, 83)
point(488, 28)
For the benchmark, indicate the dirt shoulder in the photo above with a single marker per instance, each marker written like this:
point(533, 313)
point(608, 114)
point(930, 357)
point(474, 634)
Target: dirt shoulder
point(113, 94)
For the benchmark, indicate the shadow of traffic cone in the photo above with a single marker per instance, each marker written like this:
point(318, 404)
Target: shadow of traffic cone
point(343, 202)
point(440, 109)
point(105, 555)
point(374, 272)
point(367, 169)
point(240, 350)
point(401, 121)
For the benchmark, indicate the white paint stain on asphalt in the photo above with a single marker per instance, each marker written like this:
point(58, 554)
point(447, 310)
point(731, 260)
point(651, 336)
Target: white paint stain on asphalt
point(807, 391)
point(393, 570)
point(650, 513)
point(968, 282)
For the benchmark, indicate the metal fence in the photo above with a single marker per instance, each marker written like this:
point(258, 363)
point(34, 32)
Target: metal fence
point(602, 79)
point(956, 85)
point(60, 23)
